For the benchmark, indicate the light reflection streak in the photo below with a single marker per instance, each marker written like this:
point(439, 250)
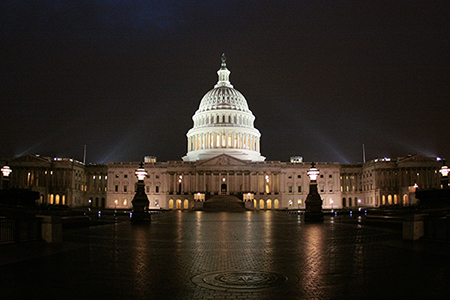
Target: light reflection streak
point(314, 265)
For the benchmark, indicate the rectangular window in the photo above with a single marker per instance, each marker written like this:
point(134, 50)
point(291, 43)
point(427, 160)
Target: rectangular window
point(299, 176)
point(116, 188)
point(125, 176)
point(125, 188)
point(299, 189)
point(147, 189)
point(157, 189)
point(290, 189)
point(331, 176)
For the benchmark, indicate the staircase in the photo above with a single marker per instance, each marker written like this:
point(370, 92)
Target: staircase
point(224, 203)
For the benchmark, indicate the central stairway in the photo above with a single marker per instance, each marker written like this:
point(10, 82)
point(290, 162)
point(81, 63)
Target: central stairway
point(224, 203)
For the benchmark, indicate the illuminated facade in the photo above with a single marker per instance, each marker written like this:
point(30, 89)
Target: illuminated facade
point(59, 181)
point(223, 158)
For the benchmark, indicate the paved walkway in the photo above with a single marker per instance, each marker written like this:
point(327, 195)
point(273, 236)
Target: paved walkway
point(247, 255)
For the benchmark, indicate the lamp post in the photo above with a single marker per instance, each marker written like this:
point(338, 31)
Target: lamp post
point(313, 202)
point(140, 201)
point(444, 175)
point(6, 170)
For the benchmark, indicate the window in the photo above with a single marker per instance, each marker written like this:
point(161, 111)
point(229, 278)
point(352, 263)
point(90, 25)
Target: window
point(157, 189)
point(290, 176)
point(290, 189)
point(117, 176)
point(321, 176)
point(330, 176)
point(299, 189)
point(147, 189)
point(125, 176)
point(116, 188)
point(125, 188)
point(299, 176)
point(157, 176)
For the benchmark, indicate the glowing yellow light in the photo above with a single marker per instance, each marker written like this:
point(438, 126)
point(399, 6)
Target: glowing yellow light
point(6, 170)
point(313, 173)
point(141, 173)
point(444, 171)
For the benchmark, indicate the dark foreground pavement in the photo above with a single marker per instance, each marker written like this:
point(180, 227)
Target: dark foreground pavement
point(248, 255)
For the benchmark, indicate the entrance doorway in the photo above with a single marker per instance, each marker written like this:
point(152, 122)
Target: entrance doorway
point(223, 189)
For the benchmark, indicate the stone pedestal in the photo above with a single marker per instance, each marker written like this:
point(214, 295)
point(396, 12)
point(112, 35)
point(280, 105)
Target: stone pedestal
point(413, 227)
point(51, 229)
point(140, 204)
point(313, 205)
point(198, 205)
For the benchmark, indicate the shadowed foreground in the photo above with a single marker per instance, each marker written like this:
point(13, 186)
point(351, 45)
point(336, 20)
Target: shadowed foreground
point(242, 255)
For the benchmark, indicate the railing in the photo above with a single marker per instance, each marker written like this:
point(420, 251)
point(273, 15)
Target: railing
point(19, 229)
point(437, 226)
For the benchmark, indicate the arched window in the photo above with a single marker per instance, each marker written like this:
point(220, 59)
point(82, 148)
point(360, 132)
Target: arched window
point(405, 199)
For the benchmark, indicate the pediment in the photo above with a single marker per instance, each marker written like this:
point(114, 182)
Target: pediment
point(30, 158)
point(223, 160)
point(417, 158)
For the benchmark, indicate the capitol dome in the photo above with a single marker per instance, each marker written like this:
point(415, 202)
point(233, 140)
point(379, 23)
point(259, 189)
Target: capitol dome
point(223, 124)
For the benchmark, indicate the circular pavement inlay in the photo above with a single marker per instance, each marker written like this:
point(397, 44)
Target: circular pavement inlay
point(242, 281)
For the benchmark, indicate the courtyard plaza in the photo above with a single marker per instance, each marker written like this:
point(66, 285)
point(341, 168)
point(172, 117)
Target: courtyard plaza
point(227, 255)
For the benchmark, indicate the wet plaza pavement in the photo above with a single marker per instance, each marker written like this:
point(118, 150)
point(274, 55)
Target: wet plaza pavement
point(242, 255)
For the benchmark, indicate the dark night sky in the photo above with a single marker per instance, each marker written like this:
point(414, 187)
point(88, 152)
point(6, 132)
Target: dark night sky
point(321, 77)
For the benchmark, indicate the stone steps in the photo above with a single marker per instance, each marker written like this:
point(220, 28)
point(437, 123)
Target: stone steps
point(224, 203)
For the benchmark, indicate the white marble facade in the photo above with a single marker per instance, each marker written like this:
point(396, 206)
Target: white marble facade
point(223, 157)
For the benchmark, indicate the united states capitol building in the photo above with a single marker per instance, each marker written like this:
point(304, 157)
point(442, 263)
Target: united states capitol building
point(224, 158)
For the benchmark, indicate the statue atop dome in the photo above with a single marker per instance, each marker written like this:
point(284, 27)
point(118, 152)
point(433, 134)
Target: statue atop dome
point(224, 64)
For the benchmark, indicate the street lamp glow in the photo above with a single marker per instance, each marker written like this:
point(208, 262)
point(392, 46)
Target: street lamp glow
point(141, 173)
point(444, 171)
point(313, 173)
point(6, 170)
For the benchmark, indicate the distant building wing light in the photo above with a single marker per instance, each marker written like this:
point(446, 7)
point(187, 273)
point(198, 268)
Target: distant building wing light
point(296, 159)
point(382, 159)
point(149, 159)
